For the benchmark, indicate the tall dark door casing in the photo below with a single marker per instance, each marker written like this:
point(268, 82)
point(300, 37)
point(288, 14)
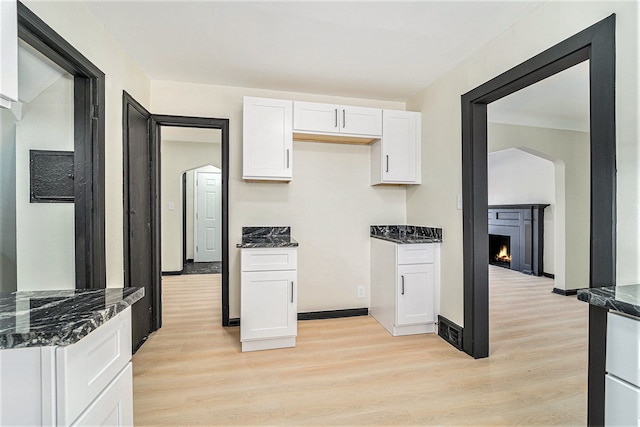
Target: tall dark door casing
point(139, 245)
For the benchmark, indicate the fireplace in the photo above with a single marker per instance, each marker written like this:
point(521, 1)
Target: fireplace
point(500, 250)
point(520, 230)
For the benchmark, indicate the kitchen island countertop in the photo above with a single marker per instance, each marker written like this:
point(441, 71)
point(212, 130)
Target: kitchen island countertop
point(59, 317)
point(622, 298)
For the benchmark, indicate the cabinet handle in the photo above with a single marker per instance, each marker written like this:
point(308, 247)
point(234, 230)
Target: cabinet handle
point(344, 119)
point(291, 292)
point(336, 111)
point(402, 284)
point(387, 162)
point(287, 158)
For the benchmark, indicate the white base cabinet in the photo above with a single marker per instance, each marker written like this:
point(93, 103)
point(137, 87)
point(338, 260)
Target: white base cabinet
point(268, 298)
point(86, 383)
point(405, 286)
point(622, 381)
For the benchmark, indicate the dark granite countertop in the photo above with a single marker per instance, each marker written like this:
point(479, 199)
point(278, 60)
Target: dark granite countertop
point(622, 298)
point(52, 318)
point(267, 237)
point(406, 234)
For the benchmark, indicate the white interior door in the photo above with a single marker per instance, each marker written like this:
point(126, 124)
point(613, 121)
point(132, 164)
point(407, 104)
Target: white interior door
point(208, 223)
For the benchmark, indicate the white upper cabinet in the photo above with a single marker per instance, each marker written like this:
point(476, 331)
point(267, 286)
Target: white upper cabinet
point(314, 117)
point(267, 152)
point(8, 52)
point(361, 121)
point(271, 125)
point(395, 159)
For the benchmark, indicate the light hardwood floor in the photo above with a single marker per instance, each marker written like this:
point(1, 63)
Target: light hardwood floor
point(352, 372)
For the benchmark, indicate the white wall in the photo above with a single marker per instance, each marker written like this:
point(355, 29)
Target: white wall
point(74, 22)
point(8, 197)
point(434, 202)
point(45, 243)
point(177, 158)
point(329, 204)
point(518, 177)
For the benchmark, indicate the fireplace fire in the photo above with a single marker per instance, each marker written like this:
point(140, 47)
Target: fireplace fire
point(500, 250)
point(503, 254)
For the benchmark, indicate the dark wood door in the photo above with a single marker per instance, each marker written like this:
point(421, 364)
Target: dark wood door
point(139, 200)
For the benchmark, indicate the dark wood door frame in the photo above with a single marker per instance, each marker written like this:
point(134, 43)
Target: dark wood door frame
point(89, 139)
point(596, 44)
point(128, 102)
point(207, 123)
point(184, 220)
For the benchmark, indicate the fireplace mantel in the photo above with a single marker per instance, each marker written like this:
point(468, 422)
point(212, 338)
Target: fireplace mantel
point(525, 225)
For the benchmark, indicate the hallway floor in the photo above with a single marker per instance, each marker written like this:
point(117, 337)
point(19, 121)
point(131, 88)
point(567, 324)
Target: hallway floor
point(350, 371)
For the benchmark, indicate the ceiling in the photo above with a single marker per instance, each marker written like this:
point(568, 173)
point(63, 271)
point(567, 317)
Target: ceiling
point(387, 50)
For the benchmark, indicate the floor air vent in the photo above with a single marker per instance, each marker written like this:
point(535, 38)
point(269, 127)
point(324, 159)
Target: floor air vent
point(450, 332)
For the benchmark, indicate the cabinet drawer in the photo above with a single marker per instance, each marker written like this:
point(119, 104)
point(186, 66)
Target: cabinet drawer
point(114, 406)
point(84, 369)
point(268, 259)
point(623, 347)
point(416, 254)
point(621, 403)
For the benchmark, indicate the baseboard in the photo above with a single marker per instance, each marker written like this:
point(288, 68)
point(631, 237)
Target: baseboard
point(172, 273)
point(549, 275)
point(566, 293)
point(333, 314)
point(316, 315)
point(450, 332)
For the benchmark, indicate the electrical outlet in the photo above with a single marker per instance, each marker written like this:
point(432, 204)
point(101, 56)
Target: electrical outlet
point(360, 291)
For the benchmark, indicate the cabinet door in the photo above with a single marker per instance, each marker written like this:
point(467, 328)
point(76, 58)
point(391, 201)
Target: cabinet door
point(361, 121)
point(8, 52)
point(315, 117)
point(415, 294)
point(401, 147)
point(267, 139)
point(268, 306)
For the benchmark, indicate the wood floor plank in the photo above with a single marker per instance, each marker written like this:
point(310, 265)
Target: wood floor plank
point(352, 372)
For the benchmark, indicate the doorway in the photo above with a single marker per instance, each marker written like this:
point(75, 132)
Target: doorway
point(149, 135)
point(54, 133)
point(202, 205)
point(161, 122)
point(596, 44)
point(191, 181)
